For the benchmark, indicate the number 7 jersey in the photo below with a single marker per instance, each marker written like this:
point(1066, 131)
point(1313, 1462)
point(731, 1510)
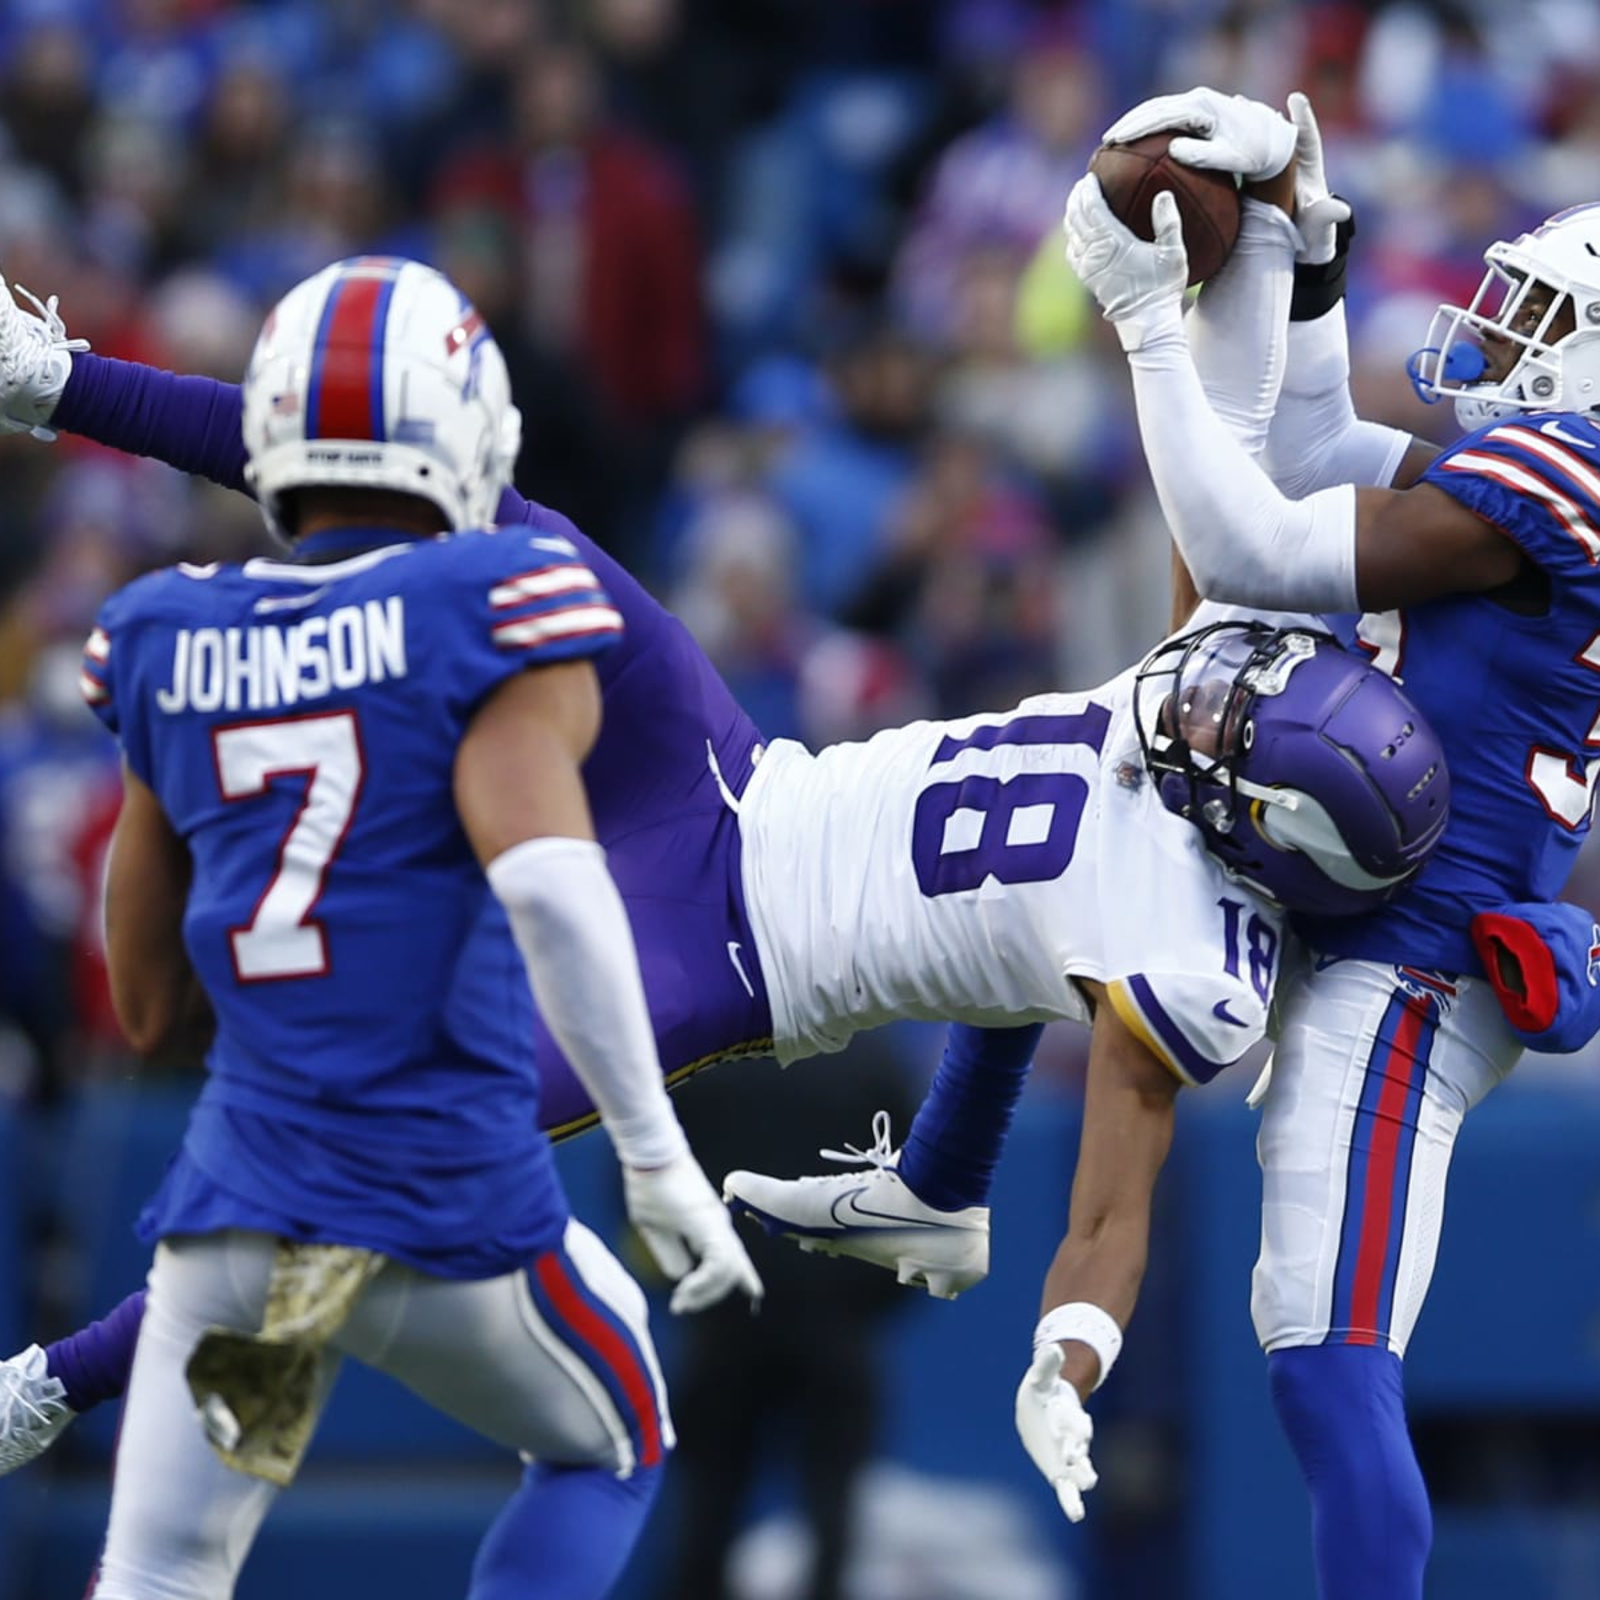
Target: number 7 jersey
point(299, 725)
point(970, 870)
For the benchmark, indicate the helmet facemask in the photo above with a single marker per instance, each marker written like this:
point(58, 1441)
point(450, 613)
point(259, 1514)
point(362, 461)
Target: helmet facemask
point(1539, 301)
point(1197, 733)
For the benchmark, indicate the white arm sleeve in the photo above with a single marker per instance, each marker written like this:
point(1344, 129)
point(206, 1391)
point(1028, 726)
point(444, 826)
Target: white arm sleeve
point(574, 935)
point(1237, 326)
point(1242, 539)
point(1316, 437)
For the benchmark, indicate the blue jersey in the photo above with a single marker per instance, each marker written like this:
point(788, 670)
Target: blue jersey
point(372, 1079)
point(1514, 699)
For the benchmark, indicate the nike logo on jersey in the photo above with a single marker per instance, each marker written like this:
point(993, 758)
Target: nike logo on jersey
point(553, 542)
point(1556, 431)
point(738, 966)
point(1221, 1012)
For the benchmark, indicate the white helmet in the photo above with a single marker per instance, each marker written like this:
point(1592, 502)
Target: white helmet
point(1549, 374)
point(378, 373)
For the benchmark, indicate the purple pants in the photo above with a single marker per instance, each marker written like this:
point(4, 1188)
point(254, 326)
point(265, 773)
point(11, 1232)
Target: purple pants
point(680, 881)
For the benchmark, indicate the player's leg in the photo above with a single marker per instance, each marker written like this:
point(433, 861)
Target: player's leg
point(181, 1522)
point(557, 1363)
point(922, 1211)
point(1373, 1073)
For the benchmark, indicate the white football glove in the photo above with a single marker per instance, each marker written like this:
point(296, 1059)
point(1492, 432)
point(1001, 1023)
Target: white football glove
point(1231, 133)
point(690, 1233)
point(1056, 1430)
point(1136, 283)
point(1317, 213)
point(35, 361)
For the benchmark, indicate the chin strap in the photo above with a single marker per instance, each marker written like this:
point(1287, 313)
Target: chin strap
point(1543, 961)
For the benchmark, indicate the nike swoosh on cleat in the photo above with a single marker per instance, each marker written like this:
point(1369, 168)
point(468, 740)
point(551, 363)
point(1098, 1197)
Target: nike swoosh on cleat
point(858, 1214)
point(1221, 1012)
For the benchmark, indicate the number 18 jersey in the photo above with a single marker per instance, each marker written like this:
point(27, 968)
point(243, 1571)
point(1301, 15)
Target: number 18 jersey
point(969, 870)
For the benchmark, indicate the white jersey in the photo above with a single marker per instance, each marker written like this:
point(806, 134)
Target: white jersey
point(966, 871)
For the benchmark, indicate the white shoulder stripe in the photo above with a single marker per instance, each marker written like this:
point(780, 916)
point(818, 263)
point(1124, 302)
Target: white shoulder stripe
point(1583, 476)
point(538, 585)
point(1527, 482)
point(570, 623)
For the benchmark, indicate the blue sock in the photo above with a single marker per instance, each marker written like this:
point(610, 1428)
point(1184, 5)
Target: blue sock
point(93, 1364)
point(1343, 1409)
point(949, 1157)
point(566, 1534)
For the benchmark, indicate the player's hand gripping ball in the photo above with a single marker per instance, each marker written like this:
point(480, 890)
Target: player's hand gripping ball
point(1132, 175)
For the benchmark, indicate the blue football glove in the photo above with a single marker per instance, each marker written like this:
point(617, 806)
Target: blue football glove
point(1543, 960)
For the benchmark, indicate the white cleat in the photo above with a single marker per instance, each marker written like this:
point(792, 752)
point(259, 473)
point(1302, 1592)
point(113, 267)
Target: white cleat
point(33, 1409)
point(35, 362)
point(871, 1216)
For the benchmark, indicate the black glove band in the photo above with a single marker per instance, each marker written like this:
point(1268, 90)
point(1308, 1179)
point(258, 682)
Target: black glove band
point(1319, 286)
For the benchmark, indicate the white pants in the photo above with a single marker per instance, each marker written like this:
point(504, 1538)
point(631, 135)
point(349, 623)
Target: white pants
point(1374, 1068)
point(555, 1362)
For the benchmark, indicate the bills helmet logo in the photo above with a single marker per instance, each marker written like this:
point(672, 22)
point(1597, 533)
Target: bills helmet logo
point(1594, 956)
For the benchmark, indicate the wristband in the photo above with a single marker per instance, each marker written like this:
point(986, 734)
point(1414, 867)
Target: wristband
point(1089, 1325)
point(1319, 286)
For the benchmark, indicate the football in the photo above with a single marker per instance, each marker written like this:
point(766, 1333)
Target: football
point(1132, 175)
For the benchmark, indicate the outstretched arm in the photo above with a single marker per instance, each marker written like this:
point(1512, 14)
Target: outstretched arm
point(1316, 437)
point(1128, 1113)
point(50, 381)
point(1338, 550)
point(190, 423)
point(1094, 1280)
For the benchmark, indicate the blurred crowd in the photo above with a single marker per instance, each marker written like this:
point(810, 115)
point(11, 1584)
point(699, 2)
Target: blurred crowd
point(779, 287)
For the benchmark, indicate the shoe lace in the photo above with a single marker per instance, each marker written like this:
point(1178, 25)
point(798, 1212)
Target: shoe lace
point(882, 1155)
point(53, 330)
point(17, 1400)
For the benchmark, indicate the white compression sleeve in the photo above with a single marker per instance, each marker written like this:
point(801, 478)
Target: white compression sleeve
point(1237, 325)
point(1316, 437)
point(575, 938)
point(1243, 541)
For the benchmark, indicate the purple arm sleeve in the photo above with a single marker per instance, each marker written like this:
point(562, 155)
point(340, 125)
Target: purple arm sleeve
point(190, 423)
